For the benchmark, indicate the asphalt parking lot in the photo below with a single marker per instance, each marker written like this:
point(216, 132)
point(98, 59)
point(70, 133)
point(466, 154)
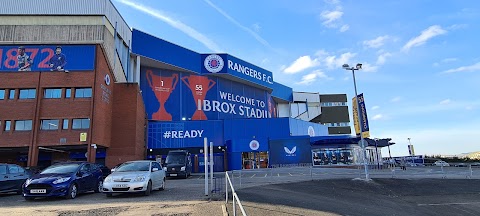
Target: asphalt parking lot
point(183, 197)
point(358, 197)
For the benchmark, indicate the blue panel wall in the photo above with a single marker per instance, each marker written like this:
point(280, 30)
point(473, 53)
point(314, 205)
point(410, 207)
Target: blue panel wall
point(302, 128)
point(183, 134)
point(164, 51)
point(283, 92)
point(295, 150)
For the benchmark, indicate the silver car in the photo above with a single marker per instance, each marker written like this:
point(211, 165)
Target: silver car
point(135, 176)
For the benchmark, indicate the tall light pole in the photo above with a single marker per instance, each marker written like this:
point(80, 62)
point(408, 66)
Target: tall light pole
point(353, 69)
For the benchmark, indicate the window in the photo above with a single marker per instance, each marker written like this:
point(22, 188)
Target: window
point(23, 125)
point(3, 169)
point(80, 123)
point(49, 124)
point(53, 93)
point(27, 93)
point(65, 124)
point(7, 125)
point(14, 169)
point(68, 93)
point(83, 93)
point(2, 94)
point(11, 96)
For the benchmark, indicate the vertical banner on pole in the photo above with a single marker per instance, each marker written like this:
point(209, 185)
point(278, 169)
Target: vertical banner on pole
point(205, 153)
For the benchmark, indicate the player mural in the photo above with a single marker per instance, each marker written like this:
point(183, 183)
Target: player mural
point(36, 58)
point(163, 86)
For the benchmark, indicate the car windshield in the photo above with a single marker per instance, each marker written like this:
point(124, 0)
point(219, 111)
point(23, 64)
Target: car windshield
point(61, 169)
point(175, 159)
point(134, 166)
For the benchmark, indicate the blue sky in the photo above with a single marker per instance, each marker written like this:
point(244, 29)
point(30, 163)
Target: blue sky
point(421, 76)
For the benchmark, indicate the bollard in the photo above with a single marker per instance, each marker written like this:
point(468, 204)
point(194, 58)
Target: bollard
point(234, 207)
point(443, 172)
point(226, 187)
point(240, 179)
point(471, 171)
point(311, 174)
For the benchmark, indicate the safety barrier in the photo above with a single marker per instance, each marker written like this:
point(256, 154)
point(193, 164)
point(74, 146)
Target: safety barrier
point(235, 199)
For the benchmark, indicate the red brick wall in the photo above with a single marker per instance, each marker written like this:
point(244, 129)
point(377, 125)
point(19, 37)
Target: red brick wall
point(103, 102)
point(128, 132)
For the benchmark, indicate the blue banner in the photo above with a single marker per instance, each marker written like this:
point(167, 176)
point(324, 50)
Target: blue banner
point(184, 134)
point(176, 96)
point(290, 151)
point(363, 116)
point(47, 58)
point(227, 64)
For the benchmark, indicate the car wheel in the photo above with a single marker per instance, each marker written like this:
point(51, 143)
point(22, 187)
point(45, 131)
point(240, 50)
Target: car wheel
point(149, 189)
point(99, 187)
point(29, 198)
point(72, 192)
point(163, 184)
point(108, 194)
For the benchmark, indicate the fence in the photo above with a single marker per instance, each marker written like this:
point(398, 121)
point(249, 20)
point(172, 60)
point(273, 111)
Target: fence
point(276, 175)
point(235, 199)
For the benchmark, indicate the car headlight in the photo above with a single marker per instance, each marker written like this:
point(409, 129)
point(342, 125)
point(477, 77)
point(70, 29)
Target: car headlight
point(165, 168)
point(182, 169)
point(139, 179)
point(61, 180)
point(108, 179)
point(28, 181)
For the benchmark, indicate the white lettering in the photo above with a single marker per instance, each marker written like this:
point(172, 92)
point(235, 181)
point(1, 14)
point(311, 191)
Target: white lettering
point(174, 134)
point(180, 134)
point(206, 105)
point(200, 132)
point(187, 135)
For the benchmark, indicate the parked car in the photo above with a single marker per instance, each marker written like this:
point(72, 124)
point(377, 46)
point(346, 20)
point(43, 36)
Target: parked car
point(461, 165)
point(12, 178)
point(105, 170)
point(476, 164)
point(64, 180)
point(135, 176)
point(178, 163)
point(441, 163)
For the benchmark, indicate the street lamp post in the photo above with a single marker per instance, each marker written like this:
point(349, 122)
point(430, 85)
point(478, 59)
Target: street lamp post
point(353, 69)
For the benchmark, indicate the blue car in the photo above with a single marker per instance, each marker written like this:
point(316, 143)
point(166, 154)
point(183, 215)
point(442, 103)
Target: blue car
point(64, 180)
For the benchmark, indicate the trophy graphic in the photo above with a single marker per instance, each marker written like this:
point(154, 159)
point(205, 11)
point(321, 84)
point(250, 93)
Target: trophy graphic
point(199, 85)
point(162, 87)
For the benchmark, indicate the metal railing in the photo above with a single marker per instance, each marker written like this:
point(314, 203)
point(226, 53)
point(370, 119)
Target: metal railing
point(235, 198)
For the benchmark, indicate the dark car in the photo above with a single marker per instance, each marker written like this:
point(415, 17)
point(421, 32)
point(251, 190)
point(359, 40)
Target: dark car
point(12, 178)
point(178, 163)
point(105, 170)
point(64, 180)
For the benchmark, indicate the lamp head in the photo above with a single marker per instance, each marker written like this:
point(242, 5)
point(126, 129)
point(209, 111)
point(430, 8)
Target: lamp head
point(345, 66)
point(359, 66)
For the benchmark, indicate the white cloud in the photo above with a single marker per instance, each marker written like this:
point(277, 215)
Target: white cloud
point(231, 19)
point(457, 26)
point(377, 42)
point(382, 58)
point(375, 107)
point(344, 28)
point(330, 17)
point(312, 77)
point(377, 117)
point(447, 60)
point(175, 24)
point(301, 64)
point(446, 101)
point(332, 1)
point(426, 35)
point(346, 78)
point(396, 99)
point(369, 68)
point(333, 62)
point(256, 27)
point(475, 67)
